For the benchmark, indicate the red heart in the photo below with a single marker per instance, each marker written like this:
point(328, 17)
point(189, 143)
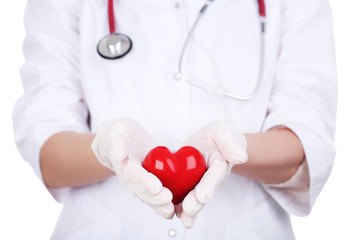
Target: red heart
point(179, 172)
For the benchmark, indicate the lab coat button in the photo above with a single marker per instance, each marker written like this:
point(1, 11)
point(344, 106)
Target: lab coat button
point(177, 5)
point(172, 233)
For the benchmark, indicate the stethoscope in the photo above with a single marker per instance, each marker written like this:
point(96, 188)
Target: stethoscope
point(117, 45)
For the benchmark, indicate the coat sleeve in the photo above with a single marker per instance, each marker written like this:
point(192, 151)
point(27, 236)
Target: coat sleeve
point(53, 100)
point(304, 99)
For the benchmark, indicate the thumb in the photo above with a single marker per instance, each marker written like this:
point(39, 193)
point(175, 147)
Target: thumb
point(111, 143)
point(140, 139)
point(231, 145)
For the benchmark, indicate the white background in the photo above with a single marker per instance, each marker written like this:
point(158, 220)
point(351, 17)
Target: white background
point(27, 211)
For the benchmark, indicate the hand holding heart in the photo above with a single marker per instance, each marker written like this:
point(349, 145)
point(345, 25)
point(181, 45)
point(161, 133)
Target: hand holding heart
point(222, 147)
point(123, 144)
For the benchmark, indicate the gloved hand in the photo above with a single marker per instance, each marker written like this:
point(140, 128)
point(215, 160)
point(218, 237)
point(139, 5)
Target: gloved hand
point(122, 145)
point(222, 147)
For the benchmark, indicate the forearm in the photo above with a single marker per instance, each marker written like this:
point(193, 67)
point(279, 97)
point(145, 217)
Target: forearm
point(66, 159)
point(274, 156)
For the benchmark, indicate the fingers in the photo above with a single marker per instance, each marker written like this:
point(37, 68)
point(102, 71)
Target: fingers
point(116, 139)
point(121, 145)
point(191, 205)
point(231, 145)
point(164, 197)
point(147, 182)
point(148, 187)
point(166, 211)
point(178, 210)
point(187, 210)
point(204, 191)
point(141, 140)
point(111, 143)
point(212, 179)
point(187, 220)
point(221, 137)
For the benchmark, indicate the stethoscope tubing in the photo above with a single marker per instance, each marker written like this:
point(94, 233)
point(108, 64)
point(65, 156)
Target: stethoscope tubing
point(220, 91)
point(111, 16)
point(262, 8)
point(180, 75)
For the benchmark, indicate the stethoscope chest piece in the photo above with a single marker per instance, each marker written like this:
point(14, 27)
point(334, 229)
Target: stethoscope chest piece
point(114, 46)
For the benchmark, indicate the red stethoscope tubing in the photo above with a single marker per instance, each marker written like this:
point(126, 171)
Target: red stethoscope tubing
point(111, 15)
point(262, 8)
point(112, 28)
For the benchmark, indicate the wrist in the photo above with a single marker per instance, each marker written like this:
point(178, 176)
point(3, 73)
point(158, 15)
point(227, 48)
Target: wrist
point(274, 156)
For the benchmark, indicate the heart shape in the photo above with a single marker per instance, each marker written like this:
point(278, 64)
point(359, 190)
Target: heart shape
point(179, 172)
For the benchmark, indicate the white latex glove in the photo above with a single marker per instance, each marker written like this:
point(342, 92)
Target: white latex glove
point(222, 147)
point(122, 145)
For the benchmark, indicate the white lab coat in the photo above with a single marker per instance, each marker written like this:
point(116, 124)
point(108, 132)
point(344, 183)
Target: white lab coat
point(68, 86)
